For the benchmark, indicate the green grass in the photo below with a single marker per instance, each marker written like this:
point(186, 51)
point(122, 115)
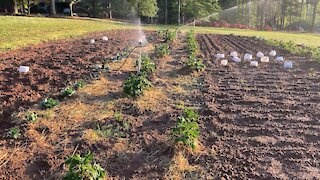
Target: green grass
point(18, 32)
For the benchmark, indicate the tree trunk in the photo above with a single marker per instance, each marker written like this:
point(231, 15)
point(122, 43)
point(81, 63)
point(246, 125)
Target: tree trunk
point(166, 12)
point(179, 12)
point(28, 2)
point(15, 7)
point(110, 10)
point(71, 8)
point(22, 6)
point(316, 2)
point(53, 8)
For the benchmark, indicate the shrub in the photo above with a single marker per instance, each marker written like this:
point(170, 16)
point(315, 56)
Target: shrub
point(186, 130)
point(136, 84)
point(147, 65)
point(14, 133)
point(162, 50)
point(49, 103)
point(68, 92)
point(83, 168)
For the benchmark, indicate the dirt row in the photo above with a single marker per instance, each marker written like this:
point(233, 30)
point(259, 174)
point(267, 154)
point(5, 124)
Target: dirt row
point(266, 120)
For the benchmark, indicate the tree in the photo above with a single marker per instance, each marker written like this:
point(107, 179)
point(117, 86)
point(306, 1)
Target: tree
point(72, 2)
point(314, 14)
point(53, 8)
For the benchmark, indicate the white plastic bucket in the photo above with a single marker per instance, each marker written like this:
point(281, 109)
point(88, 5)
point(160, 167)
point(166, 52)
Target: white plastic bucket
point(236, 59)
point(92, 41)
point(233, 54)
point(260, 54)
point(288, 64)
point(273, 53)
point(23, 69)
point(247, 57)
point(265, 59)
point(105, 38)
point(254, 63)
point(279, 58)
point(224, 62)
point(220, 56)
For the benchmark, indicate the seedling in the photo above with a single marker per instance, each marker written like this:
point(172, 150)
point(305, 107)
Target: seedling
point(32, 117)
point(84, 168)
point(49, 103)
point(14, 133)
point(79, 85)
point(118, 115)
point(68, 92)
point(147, 65)
point(186, 130)
point(136, 84)
point(162, 50)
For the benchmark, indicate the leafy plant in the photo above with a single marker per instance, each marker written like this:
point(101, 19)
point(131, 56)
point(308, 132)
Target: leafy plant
point(49, 103)
point(118, 115)
point(79, 85)
point(136, 84)
point(297, 50)
point(68, 92)
point(162, 50)
point(32, 117)
point(168, 35)
point(147, 65)
point(14, 133)
point(186, 130)
point(83, 168)
point(195, 64)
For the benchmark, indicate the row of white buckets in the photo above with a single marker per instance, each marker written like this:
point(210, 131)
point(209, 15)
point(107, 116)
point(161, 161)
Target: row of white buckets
point(25, 69)
point(249, 57)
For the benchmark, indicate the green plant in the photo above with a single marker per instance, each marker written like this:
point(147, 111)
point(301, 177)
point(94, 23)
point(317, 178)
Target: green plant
point(297, 49)
point(147, 65)
point(187, 128)
point(83, 168)
point(118, 115)
point(136, 84)
point(162, 50)
point(32, 117)
point(167, 35)
point(68, 92)
point(14, 133)
point(49, 103)
point(79, 85)
point(195, 64)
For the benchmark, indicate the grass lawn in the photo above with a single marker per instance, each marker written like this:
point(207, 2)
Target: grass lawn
point(21, 31)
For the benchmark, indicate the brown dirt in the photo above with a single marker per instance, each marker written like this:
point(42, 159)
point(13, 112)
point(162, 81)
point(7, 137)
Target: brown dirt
point(53, 66)
point(265, 121)
point(256, 123)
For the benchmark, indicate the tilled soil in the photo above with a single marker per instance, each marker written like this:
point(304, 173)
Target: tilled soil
point(256, 123)
point(53, 66)
point(266, 120)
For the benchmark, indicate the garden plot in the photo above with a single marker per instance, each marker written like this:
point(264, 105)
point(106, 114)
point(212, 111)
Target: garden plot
point(246, 122)
point(267, 119)
point(54, 66)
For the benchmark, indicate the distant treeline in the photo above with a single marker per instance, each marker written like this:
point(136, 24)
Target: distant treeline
point(254, 14)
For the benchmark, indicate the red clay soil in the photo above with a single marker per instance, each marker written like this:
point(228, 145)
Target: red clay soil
point(53, 67)
point(265, 121)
